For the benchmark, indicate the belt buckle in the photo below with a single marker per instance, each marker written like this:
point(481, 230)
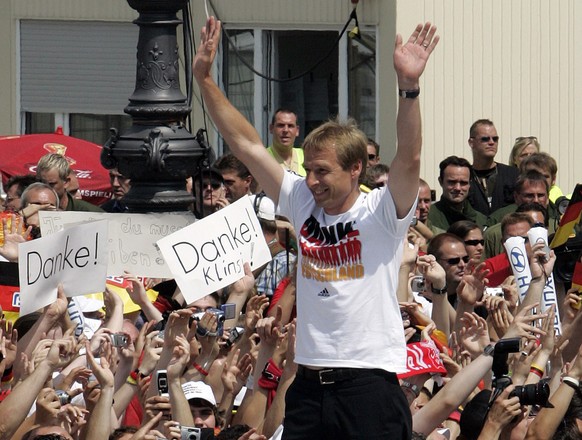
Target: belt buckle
point(322, 381)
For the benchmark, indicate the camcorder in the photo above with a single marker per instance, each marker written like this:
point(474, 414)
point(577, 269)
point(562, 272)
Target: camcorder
point(161, 381)
point(192, 433)
point(226, 311)
point(532, 394)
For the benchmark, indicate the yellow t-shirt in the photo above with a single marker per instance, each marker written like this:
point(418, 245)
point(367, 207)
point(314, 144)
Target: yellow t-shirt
point(296, 161)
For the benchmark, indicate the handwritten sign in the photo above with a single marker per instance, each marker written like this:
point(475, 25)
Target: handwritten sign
point(76, 257)
point(209, 254)
point(132, 238)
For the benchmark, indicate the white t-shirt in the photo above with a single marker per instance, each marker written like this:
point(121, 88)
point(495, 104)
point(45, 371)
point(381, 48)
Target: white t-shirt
point(347, 276)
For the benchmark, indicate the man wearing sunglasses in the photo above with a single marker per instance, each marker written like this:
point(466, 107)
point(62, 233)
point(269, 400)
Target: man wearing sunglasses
point(491, 182)
point(449, 251)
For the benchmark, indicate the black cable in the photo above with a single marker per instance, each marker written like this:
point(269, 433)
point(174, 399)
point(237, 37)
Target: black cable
point(293, 78)
point(188, 26)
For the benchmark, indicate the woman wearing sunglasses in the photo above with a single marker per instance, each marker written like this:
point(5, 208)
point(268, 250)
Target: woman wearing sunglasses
point(472, 235)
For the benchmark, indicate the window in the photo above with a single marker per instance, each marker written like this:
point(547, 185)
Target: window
point(313, 96)
point(362, 82)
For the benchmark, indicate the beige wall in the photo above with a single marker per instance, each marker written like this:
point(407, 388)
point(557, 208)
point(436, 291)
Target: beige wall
point(515, 62)
point(511, 61)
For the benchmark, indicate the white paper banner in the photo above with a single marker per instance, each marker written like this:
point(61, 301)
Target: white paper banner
point(76, 257)
point(209, 254)
point(515, 248)
point(132, 238)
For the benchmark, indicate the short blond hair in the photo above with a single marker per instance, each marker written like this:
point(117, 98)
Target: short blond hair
point(53, 161)
point(348, 141)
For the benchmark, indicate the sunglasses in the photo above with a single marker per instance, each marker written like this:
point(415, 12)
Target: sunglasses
point(475, 242)
point(489, 138)
point(457, 260)
point(521, 138)
point(371, 157)
point(214, 184)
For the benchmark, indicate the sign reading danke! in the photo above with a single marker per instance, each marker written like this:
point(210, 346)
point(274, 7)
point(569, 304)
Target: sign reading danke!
point(209, 254)
point(75, 257)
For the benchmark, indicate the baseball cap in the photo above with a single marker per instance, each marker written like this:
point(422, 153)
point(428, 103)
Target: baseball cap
point(199, 390)
point(264, 207)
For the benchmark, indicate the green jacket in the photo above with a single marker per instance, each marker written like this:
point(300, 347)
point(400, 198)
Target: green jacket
point(442, 214)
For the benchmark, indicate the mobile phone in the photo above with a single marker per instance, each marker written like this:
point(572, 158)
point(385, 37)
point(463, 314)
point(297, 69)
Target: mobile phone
point(417, 284)
point(161, 381)
point(414, 221)
point(119, 340)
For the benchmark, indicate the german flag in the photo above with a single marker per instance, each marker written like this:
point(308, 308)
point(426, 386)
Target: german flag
point(570, 218)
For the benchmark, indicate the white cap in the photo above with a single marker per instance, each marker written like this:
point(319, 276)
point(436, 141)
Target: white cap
point(265, 208)
point(199, 390)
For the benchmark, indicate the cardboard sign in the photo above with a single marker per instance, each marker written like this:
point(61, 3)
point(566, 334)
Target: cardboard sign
point(209, 254)
point(132, 238)
point(75, 257)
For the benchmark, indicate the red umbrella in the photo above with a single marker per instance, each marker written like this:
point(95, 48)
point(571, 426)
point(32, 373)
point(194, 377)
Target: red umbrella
point(20, 154)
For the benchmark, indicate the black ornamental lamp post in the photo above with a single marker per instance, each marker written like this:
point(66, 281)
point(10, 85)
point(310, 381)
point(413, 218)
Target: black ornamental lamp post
point(157, 152)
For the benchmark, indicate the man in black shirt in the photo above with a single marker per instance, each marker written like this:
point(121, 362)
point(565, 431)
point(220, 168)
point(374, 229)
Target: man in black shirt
point(491, 182)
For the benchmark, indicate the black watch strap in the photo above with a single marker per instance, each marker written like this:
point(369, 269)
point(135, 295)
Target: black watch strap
point(436, 291)
point(410, 94)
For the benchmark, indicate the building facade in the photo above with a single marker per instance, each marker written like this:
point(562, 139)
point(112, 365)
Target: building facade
point(72, 63)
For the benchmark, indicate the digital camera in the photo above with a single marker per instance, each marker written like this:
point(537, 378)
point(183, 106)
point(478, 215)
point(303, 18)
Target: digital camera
point(64, 397)
point(417, 284)
point(192, 433)
point(119, 340)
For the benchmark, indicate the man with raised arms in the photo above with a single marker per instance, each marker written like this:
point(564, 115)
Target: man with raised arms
point(350, 341)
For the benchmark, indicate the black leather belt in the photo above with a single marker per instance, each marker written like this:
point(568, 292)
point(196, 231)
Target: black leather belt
point(328, 376)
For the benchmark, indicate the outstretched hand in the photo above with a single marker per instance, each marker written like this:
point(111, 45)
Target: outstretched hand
point(209, 39)
point(410, 58)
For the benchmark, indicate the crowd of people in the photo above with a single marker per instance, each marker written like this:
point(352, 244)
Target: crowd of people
point(383, 314)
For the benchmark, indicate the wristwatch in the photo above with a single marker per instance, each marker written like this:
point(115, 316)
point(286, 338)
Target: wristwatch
point(488, 351)
point(436, 291)
point(409, 386)
point(410, 94)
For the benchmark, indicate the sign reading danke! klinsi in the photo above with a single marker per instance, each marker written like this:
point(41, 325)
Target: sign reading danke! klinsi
point(75, 257)
point(209, 254)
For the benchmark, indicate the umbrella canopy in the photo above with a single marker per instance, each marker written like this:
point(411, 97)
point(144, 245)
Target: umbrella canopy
point(20, 154)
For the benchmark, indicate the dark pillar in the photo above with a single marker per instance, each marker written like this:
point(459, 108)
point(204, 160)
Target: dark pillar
point(157, 152)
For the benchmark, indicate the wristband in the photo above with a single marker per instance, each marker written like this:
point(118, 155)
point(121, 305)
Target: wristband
point(536, 371)
point(571, 382)
point(271, 372)
point(201, 370)
point(130, 380)
point(7, 375)
point(455, 416)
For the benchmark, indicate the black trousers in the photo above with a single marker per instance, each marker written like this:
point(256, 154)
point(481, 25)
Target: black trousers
point(369, 406)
